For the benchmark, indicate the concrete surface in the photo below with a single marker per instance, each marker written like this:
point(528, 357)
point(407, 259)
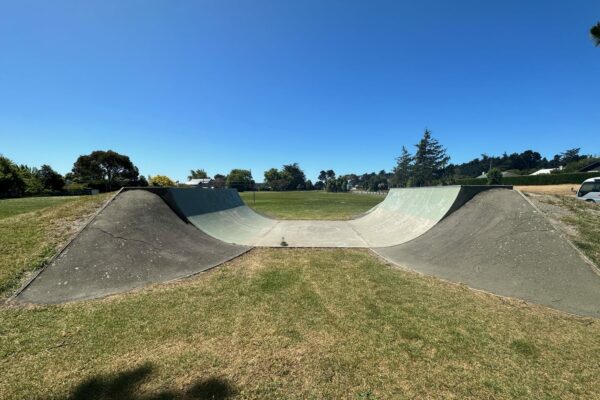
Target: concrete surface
point(499, 243)
point(402, 216)
point(136, 240)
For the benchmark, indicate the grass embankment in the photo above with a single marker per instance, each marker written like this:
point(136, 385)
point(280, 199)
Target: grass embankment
point(311, 204)
point(298, 324)
point(10, 207)
point(583, 219)
point(33, 229)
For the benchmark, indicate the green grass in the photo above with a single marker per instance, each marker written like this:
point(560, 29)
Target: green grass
point(10, 207)
point(283, 323)
point(35, 230)
point(310, 205)
point(298, 324)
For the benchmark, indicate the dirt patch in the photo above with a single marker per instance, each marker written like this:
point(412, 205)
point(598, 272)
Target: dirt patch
point(565, 190)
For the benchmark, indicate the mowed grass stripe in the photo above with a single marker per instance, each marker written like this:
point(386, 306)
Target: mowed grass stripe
point(311, 204)
point(11, 207)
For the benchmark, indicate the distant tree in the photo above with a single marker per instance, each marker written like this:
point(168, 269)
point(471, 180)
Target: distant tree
point(219, 181)
point(272, 175)
point(142, 182)
point(240, 179)
point(11, 182)
point(295, 176)
point(31, 179)
point(429, 162)
point(403, 169)
point(161, 180)
point(494, 177)
point(322, 177)
point(197, 174)
point(105, 170)
point(319, 185)
point(330, 174)
point(595, 34)
point(570, 155)
point(309, 185)
point(50, 179)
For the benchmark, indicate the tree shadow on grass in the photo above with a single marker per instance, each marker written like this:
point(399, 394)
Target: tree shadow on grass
point(126, 386)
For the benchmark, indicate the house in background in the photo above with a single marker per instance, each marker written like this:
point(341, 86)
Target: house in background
point(505, 174)
point(201, 183)
point(545, 171)
point(593, 167)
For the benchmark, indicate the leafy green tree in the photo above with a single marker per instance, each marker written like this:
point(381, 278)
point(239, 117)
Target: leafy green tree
point(197, 174)
point(11, 182)
point(595, 34)
point(494, 177)
point(219, 181)
point(272, 175)
point(51, 180)
point(240, 179)
point(161, 180)
point(295, 176)
point(309, 185)
point(322, 177)
point(105, 170)
point(31, 179)
point(403, 169)
point(429, 162)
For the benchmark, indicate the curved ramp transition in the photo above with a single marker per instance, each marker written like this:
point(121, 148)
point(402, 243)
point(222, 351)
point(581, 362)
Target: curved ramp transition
point(498, 242)
point(404, 215)
point(136, 240)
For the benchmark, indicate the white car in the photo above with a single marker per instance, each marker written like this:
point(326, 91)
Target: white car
point(590, 190)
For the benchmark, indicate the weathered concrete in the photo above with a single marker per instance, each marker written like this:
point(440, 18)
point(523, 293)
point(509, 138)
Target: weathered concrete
point(136, 240)
point(402, 216)
point(499, 243)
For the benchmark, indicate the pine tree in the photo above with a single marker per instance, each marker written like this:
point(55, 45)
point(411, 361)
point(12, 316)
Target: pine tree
point(595, 34)
point(403, 169)
point(430, 161)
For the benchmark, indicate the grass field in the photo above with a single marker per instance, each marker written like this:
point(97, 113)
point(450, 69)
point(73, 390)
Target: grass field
point(310, 205)
point(298, 324)
point(284, 323)
point(10, 207)
point(33, 228)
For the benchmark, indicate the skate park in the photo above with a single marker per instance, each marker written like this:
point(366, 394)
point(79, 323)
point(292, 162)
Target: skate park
point(489, 238)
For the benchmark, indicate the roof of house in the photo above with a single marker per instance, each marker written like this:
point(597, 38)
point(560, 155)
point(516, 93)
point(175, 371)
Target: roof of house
point(595, 166)
point(195, 182)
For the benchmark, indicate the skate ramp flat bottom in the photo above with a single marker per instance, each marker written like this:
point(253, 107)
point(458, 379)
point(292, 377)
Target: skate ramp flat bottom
point(136, 240)
point(498, 242)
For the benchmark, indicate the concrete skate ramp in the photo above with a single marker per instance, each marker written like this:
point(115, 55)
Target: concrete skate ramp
point(499, 243)
point(136, 240)
point(402, 216)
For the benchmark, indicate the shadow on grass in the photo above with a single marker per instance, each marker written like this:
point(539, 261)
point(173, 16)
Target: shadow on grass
point(126, 386)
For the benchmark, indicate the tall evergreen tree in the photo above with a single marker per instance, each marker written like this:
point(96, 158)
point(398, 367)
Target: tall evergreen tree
point(595, 34)
point(430, 161)
point(403, 169)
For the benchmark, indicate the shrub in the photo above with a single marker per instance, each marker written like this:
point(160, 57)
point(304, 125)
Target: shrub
point(161, 180)
point(494, 177)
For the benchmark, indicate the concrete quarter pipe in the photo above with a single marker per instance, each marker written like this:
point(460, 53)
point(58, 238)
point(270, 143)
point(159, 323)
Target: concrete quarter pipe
point(489, 239)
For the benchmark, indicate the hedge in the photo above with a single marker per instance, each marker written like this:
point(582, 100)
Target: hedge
point(548, 179)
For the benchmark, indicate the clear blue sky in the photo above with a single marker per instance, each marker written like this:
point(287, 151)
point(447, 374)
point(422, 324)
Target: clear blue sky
point(328, 84)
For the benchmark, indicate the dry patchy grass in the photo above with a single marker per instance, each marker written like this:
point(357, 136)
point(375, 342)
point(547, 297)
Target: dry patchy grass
point(299, 324)
point(28, 239)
